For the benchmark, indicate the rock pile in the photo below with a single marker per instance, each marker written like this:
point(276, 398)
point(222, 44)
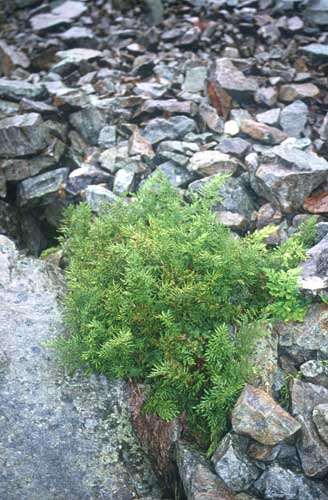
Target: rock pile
point(93, 101)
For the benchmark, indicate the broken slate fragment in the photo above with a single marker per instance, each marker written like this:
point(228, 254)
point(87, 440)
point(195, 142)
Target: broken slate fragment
point(22, 135)
point(11, 58)
point(42, 189)
point(290, 177)
point(258, 416)
point(15, 90)
point(62, 15)
point(233, 466)
point(277, 482)
point(301, 342)
point(317, 51)
point(99, 196)
point(233, 81)
point(293, 118)
point(320, 418)
point(312, 450)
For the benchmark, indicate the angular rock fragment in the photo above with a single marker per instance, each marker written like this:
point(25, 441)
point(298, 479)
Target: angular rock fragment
point(206, 163)
point(290, 178)
point(258, 416)
point(43, 188)
point(233, 466)
point(301, 342)
point(23, 135)
point(318, 51)
point(16, 90)
point(11, 58)
point(88, 122)
point(312, 450)
point(316, 372)
point(317, 12)
point(17, 169)
point(314, 271)
point(160, 129)
point(84, 176)
point(320, 418)
point(277, 482)
point(123, 181)
point(79, 37)
point(178, 176)
point(99, 196)
point(270, 117)
point(195, 78)
point(62, 15)
point(198, 480)
point(233, 81)
point(293, 118)
point(292, 92)
point(262, 132)
point(78, 55)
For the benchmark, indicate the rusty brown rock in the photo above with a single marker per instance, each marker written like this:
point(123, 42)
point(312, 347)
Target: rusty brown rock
point(262, 132)
point(10, 58)
point(257, 415)
point(316, 203)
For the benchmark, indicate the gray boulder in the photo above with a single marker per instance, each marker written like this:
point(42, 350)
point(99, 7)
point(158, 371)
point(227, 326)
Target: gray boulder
point(79, 425)
point(89, 122)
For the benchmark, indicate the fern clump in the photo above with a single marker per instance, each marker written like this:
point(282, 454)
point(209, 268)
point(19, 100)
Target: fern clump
point(159, 291)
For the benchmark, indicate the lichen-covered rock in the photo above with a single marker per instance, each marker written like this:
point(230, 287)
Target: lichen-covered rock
point(258, 416)
point(64, 437)
point(199, 482)
point(315, 371)
point(320, 418)
point(233, 466)
point(313, 451)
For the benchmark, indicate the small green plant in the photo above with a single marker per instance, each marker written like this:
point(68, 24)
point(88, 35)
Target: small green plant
point(159, 291)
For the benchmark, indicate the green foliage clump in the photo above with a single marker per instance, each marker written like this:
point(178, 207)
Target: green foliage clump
point(159, 291)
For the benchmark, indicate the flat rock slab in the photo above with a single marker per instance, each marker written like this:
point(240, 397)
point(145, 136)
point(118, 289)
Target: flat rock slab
point(61, 437)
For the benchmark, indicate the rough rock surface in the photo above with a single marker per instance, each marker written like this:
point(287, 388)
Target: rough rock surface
point(61, 436)
point(257, 415)
point(197, 477)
